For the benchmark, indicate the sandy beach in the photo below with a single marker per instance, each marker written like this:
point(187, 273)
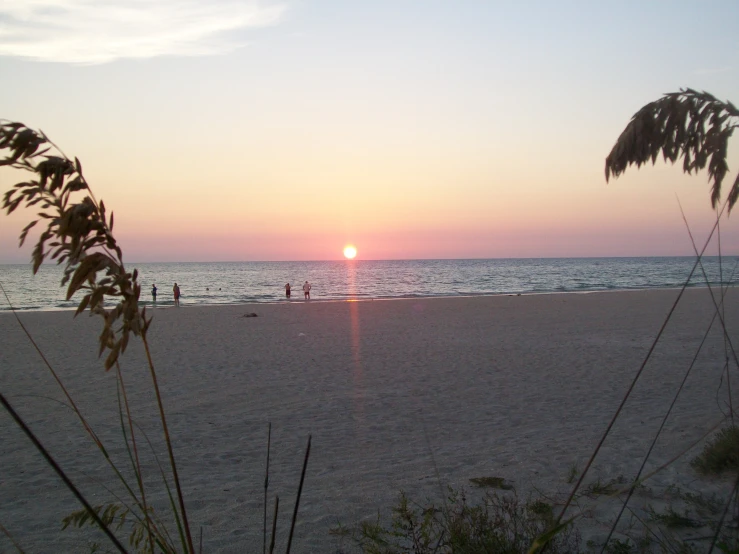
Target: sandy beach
point(392, 392)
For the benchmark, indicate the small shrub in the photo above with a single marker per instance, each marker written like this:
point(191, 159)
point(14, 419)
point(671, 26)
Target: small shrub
point(573, 473)
point(702, 504)
point(672, 519)
point(598, 487)
point(499, 523)
point(491, 483)
point(541, 509)
point(618, 546)
point(720, 454)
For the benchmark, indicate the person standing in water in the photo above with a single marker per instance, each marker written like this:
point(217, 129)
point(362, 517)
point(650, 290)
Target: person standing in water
point(154, 292)
point(287, 290)
point(176, 291)
point(306, 290)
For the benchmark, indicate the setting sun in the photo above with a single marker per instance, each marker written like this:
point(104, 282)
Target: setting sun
point(350, 252)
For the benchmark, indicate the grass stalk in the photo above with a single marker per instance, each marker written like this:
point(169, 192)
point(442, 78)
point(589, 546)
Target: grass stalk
point(79, 234)
point(274, 526)
point(135, 460)
point(165, 429)
point(632, 488)
point(73, 406)
point(732, 498)
point(167, 488)
point(158, 537)
point(436, 467)
point(297, 500)
point(11, 539)
point(723, 316)
point(48, 365)
point(266, 487)
point(52, 462)
point(636, 378)
point(719, 311)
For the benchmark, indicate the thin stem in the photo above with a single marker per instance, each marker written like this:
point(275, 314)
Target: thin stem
point(266, 486)
point(297, 500)
point(54, 374)
point(658, 433)
point(719, 310)
point(634, 381)
point(72, 404)
point(723, 515)
point(169, 444)
point(60, 473)
point(436, 467)
point(137, 466)
point(723, 317)
point(274, 526)
point(11, 539)
point(167, 489)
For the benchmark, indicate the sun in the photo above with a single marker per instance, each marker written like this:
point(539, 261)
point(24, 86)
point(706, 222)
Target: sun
point(349, 252)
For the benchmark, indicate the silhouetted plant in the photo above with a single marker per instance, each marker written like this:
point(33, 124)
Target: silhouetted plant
point(691, 125)
point(500, 523)
point(720, 454)
point(79, 235)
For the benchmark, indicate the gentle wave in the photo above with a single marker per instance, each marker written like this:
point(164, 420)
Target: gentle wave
point(256, 282)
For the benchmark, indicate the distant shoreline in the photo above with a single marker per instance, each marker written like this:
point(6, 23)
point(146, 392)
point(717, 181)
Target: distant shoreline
point(167, 304)
point(264, 283)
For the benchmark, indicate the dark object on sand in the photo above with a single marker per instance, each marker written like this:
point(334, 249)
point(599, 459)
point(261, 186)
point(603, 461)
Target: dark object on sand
point(252, 314)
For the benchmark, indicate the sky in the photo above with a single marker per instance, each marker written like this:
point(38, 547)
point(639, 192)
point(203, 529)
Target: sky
point(236, 131)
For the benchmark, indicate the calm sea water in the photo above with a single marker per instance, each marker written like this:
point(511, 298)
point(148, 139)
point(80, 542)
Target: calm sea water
point(247, 282)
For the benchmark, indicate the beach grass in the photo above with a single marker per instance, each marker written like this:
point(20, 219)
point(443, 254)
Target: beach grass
point(495, 523)
point(720, 454)
point(79, 235)
point(696, 127)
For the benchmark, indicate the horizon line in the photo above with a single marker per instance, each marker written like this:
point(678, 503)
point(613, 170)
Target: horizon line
point(723, 255)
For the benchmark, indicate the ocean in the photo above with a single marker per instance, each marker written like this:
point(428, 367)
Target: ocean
point(249, 282)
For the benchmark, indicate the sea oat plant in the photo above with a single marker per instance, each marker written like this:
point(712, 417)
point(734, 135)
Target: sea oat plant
point(695, 127)
point(79, 236)
point(499, 522)
point(691, 125)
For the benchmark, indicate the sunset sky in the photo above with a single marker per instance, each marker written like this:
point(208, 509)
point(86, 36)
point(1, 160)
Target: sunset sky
point(234, 131)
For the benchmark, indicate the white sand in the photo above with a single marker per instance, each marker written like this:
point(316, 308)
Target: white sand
point(516, 387)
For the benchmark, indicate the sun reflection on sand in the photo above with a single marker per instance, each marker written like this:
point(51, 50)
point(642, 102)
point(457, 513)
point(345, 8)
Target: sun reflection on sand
point(356, 354)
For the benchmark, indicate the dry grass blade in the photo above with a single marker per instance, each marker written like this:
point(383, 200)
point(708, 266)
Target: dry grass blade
point(632, 488)
point(63, 476)
point(5, 532)
point(79, 235)
point(615, 416)
point(266, 488)
point(297, 500)
point(691, 125)
point(274, 526)
point(732, 499)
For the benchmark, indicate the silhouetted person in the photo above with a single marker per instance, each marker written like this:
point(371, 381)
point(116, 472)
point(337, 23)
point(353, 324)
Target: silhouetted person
point(176, 291)
point(287, 290)
point(154, 292)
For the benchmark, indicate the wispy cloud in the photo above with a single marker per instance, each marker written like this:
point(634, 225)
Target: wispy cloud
point(99, 31)
point(713, 70)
